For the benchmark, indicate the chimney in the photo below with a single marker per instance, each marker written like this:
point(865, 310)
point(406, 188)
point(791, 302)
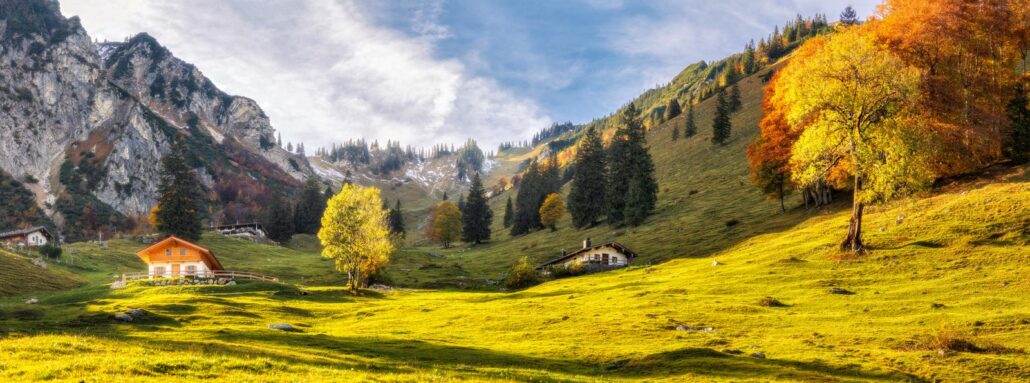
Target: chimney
point(586, 243)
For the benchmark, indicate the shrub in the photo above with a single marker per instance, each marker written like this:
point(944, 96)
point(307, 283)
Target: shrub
point(50, 251)
point(570, 270)
point(521, 274)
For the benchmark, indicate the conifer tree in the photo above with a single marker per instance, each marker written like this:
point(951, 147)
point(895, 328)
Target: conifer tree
point(735, 103)
point(690, 126)
point(527, 202)
point(476, 216)
point(675, 132)
point(280, 221)
point(396, 219)
point(180, 195)
point(307, 216)
point(587, 195)
point(849, 16)
point(721, 123)
point(1019, 112)
point(509, 214)
point(749, 62)
point(672, 109)
point(632, 189)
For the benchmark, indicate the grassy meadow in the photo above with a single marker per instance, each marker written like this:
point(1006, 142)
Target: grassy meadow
point(938, 276)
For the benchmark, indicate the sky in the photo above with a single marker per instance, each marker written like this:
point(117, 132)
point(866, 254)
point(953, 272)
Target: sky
point(442, 71)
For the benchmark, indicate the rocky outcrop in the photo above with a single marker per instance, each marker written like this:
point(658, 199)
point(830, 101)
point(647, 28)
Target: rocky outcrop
point(63, 97)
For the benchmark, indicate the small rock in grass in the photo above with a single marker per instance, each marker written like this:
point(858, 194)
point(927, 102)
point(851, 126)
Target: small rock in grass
point(123, 317)
point(118, 285)
point(841, 291)
point(759, 355)
point(732, 351)
point(32, 301)
point(230, 283)
point(283, 327)
point(716, 263)
point(771, 302)
point(937, 306)
point(901, 218)
point(137, 313)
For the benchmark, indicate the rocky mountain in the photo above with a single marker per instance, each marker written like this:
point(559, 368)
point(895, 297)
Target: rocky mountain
point(85, 124)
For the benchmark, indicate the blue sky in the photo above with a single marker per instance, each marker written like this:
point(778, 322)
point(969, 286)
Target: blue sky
point(441, 71)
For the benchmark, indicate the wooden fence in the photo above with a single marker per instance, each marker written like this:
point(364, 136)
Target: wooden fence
point(228, 274)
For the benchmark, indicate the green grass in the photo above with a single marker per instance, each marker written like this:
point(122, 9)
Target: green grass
point(963, 250)
point(19, 276)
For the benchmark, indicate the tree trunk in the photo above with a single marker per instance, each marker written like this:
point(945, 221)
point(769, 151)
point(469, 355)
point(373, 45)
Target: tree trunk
point(853, 242)
point(782, 207)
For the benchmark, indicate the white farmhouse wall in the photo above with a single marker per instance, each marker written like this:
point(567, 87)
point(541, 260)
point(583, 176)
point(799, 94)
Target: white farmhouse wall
point(201, 268)
point(36, 239)
point(615, 257)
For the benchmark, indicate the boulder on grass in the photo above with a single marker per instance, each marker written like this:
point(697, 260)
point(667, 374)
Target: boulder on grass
point(283, 327)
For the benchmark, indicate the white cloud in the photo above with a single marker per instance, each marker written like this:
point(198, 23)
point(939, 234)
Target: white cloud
point(326, 71)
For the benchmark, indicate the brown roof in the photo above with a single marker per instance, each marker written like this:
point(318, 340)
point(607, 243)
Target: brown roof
point(207, 255)
point(617, 246)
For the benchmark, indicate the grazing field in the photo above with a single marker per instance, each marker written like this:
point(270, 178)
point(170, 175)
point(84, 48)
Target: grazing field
point(942, 297)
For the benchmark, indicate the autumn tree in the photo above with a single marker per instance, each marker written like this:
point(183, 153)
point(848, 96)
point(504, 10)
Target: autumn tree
point(355, 234)
point(769, 156)
point(965, 53)
point(852, 98)
point(446, 224)
point(552, 211)
point(587, 193)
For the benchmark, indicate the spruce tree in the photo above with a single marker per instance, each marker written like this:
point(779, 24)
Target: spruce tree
point(280, 221)
point(1019, 112)
point(527, 202)
point(849, 16)
point(509, 214)
point(180, 200)
point(690, 126)
point(630, 170)
point(672, 109)
point(721, 123)
point(587, 195)
point(396, 220)
point(307, 216)
point(675, 132)
point(735, 103)
point(476, 216)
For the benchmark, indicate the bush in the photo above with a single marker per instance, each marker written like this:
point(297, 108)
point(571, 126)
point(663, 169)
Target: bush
point(565, 271)
point(50, 251)
point(521, 274)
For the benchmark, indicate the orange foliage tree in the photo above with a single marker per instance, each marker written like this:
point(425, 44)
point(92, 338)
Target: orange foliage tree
point(769, 156)
point(965, 51)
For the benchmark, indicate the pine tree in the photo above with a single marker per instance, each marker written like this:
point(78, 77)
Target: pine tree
point(632, 189)
point(735, 103)
point(672, 109)
point(527, 202)
point(675, 132)
point(477, 216)
point(180, 198)
point(721, 123)
point(849, 16)
point(280, 221)
point(1019, 112)
point(749, 63)
point(396, 220)
point(587, 195)
point(509, 214)
point(444, 196)
point(307, 216)
point(690, 126)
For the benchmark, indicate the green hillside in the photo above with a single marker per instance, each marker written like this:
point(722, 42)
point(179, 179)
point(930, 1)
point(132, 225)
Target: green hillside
point(702, 186)
point(940, 298)
point(19, 276)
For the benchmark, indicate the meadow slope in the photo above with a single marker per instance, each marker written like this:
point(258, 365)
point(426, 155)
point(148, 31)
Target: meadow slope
point(942, 297)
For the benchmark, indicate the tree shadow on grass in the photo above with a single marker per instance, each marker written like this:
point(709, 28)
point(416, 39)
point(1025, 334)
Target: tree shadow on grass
point(395, 354)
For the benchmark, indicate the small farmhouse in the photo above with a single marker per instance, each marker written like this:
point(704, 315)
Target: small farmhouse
point(174, 257)
point(251, 231)
point(606, 255)
point(33, 236)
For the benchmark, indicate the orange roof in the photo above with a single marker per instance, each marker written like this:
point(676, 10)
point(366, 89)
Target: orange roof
point(206, 255)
